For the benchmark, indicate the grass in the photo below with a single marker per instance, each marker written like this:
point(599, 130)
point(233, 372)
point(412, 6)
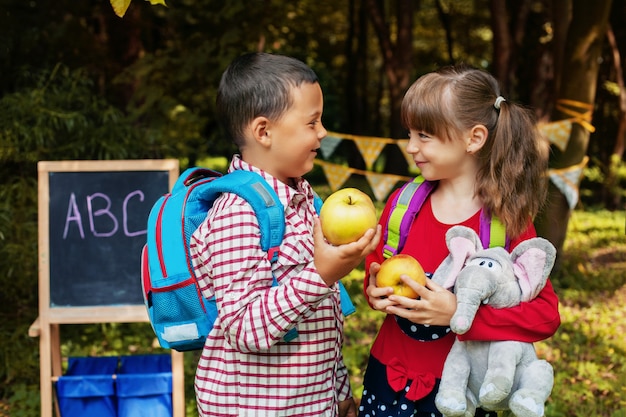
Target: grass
point(588, 352)
point(589, 349)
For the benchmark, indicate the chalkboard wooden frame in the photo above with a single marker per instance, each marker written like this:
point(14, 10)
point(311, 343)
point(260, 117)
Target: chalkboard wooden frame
point(86, 314)
point(46, 326)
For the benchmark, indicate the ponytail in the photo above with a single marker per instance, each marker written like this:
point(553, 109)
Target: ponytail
point(511, 179)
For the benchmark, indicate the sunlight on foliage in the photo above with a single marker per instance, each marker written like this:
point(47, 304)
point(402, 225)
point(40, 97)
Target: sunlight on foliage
point(120, 6)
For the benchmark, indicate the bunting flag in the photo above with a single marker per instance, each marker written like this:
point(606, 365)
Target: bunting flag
point(381, 184)
point(582, 113)
point(567, 181)
point(370, 150)
point(329, 144)
point(369, 146)
point(402, 144)
point(336, 174)
point(558, 133)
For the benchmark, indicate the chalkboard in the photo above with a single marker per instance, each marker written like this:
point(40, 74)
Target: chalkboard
point(97, 228)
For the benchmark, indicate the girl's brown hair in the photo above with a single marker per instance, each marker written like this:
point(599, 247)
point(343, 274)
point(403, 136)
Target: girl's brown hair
point(511, 180)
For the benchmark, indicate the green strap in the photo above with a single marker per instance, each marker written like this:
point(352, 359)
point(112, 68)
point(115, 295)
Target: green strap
point(497, 236)
point(490, 224)
point(397, 214)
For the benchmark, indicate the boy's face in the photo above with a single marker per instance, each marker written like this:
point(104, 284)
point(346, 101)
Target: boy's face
point(295, 138)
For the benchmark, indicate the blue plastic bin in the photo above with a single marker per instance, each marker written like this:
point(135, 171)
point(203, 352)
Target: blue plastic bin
point(144, 386)
point(88, 388)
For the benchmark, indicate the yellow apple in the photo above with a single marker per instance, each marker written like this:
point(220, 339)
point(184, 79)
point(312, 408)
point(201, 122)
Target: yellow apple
point(400, 264)
point(346, 215)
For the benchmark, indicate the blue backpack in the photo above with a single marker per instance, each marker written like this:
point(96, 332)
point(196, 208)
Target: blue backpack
point(180, 315)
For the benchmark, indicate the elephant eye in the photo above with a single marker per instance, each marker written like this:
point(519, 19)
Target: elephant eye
point(487, 263)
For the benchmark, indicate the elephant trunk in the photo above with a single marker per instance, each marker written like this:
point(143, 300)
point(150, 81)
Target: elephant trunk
point(472, 289)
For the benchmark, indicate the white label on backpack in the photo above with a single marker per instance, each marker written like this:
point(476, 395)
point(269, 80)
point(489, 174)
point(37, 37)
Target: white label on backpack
point(181, 332)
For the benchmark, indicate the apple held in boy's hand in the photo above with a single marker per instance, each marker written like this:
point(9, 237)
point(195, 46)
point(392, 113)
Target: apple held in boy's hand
point(401, 264)
point(346, 215)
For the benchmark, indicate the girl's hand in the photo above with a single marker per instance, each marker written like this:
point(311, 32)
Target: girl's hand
point(378, 298)
point(436, 305)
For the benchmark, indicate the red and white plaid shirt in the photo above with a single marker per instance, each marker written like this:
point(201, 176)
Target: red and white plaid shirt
point(246, 369)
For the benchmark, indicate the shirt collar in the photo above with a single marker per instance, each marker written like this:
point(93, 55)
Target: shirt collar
point(285, 193)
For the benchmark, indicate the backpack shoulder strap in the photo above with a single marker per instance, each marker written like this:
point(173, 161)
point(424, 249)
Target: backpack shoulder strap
point(404, 208)
point(317, 202)
point(257, 192)
point(408, 202)
point(492, 232)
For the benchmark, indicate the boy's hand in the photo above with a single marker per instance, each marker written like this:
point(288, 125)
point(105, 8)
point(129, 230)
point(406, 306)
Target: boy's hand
point(335, 262)
point(347, 408)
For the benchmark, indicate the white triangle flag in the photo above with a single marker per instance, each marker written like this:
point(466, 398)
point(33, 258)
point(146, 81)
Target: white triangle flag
point(329, 144)
point(567, 180)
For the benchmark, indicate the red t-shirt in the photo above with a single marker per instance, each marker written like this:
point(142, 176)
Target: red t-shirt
point(529, 322)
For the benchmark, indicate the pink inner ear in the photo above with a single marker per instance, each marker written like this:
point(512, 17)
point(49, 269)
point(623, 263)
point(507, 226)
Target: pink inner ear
point(528, 268)
point(460, 249)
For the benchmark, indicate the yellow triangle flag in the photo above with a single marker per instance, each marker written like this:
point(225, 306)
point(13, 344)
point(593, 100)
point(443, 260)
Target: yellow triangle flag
point(370, 149)
point(558, 133)
point(402, 144)
point(335, 174)
point(381, 184)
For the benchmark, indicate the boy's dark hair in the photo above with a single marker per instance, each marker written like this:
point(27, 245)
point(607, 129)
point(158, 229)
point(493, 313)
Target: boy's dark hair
point(258, 84)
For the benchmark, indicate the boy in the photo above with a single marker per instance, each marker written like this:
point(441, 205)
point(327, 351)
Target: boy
point(271, 106)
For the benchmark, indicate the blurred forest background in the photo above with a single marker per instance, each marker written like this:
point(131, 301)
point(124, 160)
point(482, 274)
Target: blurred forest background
point(79, 82)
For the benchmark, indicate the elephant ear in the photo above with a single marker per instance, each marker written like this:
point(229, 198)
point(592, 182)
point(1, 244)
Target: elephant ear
point(533, 260)
point(462, 243)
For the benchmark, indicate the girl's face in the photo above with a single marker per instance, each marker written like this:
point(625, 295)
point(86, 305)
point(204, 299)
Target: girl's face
point(439, 158)
point(297, 135)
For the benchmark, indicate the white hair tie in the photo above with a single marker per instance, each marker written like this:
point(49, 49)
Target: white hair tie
point(499, 101)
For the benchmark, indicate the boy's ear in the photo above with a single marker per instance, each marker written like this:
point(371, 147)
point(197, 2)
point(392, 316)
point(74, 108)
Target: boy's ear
point(260, 130)
point(477, 138)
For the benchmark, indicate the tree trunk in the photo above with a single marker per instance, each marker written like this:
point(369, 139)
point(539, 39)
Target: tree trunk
point(618, 149)
point(502, 42)
point(397, 65)
point(358, 76)
point(578, 82)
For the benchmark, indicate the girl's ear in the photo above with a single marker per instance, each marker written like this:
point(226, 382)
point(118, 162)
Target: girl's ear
point(477, 138)
point(260, 130)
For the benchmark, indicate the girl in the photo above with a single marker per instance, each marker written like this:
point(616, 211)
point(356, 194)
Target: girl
point(482, 153)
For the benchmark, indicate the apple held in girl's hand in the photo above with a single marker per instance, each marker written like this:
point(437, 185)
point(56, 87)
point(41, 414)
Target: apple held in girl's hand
point(346, 215)
point(401, 264)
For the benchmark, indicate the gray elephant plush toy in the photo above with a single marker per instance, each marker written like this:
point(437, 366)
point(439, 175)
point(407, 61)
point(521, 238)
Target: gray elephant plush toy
point(502, 375)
